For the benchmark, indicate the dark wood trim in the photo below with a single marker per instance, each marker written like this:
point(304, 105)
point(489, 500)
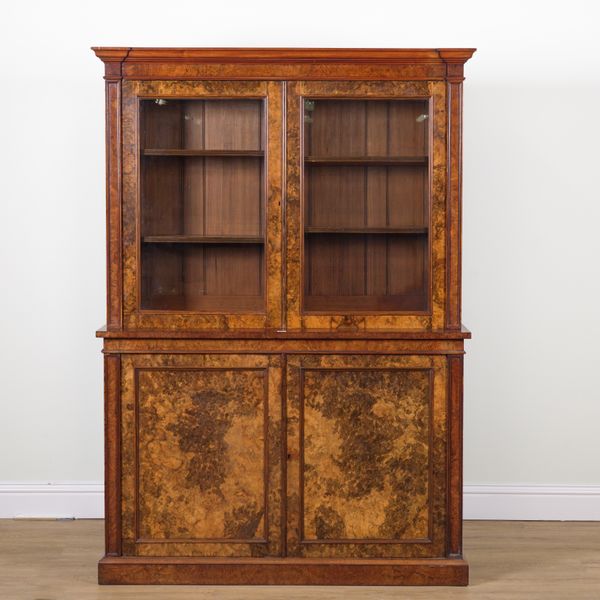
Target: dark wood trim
point(113, 61)
point(283, 63)
point(284, 225)
point(367, 350)
point(284, 454)
point(455, 454)
point(136, 450)
point(111, 53)
point(301, 450)
point(453, 206)
point(112, 454)
point(114, 283)
point(281, 571)
point(274, 334)
point(286, 55)
point(221, 540)
point(266, 461)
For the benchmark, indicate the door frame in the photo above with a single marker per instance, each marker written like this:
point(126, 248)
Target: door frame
point(433, 91)
point(272, 94)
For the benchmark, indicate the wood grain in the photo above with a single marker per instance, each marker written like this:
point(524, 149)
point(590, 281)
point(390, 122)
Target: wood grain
point(283, 346)
point(338, 344)
point(425, 311)
point(281, 572)
point(455, 454)
point(365, 455)
point(201, 471)
point(454, 217)
point(112, 454)
point(390, 334)
point(256, 300)
point(282, 63)
point(114, 232)
point(333, 488)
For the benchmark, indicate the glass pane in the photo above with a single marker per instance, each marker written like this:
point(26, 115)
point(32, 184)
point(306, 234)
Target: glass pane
point(202, 205)
point(366, 203)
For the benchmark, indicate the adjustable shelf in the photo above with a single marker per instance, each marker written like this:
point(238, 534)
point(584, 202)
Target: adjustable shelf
point(202, 239)
point(207, 153)
point(365, 160)
point(369, 230)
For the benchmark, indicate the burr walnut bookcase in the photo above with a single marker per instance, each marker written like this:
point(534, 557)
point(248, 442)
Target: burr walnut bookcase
point(284, 350)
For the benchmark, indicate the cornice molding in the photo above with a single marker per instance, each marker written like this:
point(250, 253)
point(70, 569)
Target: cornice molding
point(286, 55)
point(284, 64)
point(113, 59)
point(109, 54)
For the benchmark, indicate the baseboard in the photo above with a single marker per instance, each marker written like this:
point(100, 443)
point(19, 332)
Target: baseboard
point(532, 502)
point(85, 500)
point(65, 500)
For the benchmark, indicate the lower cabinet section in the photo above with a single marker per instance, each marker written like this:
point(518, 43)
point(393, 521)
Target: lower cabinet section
point(281, 468)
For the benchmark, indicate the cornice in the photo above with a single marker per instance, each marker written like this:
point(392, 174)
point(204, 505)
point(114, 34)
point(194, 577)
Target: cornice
point(288, 63)
point(279, 55)
point(113, 60)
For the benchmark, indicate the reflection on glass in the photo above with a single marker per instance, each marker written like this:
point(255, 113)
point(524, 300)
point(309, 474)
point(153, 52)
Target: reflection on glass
point(366, 205)
point(202, 205)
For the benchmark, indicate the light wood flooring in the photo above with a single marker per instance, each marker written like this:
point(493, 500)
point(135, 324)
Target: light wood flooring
point(56, 560)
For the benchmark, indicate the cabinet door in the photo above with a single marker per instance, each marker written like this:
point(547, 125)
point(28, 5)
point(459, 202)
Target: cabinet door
point(366, 450)
point(365, 200)
point(202, 204)
point(201, 447)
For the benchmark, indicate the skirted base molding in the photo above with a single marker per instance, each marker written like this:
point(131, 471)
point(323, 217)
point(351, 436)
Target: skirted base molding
point(281, 571)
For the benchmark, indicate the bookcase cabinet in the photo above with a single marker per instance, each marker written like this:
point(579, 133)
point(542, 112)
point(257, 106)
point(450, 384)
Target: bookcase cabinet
point(283, 349)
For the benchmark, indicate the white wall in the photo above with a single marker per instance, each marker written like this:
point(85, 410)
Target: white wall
point(531, 215)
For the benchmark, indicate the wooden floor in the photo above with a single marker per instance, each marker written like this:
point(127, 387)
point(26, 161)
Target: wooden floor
point(56, 560)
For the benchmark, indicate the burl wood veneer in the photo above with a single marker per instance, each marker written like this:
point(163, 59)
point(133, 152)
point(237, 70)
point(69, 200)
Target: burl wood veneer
point(364, 435)
point(283, 348)
point(203, 474)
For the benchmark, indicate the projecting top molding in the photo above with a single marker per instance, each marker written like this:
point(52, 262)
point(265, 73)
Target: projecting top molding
point(284, 63)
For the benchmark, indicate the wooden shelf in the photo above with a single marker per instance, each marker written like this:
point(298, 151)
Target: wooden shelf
point(205, 303)
point(415, 301)
point(365, 160)
point(202, 239)
point(207, 153)
point(368, 230)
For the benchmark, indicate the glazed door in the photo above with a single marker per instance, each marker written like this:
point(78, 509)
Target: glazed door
point(202, 204)
point(365, 202)
point(366, 450)
point(201, 455)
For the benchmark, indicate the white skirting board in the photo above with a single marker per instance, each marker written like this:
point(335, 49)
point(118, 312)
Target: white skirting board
point(64, 500)
point(532, 502)
point(85, 500)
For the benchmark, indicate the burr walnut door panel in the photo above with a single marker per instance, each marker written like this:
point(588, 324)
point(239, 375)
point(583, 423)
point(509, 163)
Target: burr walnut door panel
point(201, 448)
point(366, 450)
